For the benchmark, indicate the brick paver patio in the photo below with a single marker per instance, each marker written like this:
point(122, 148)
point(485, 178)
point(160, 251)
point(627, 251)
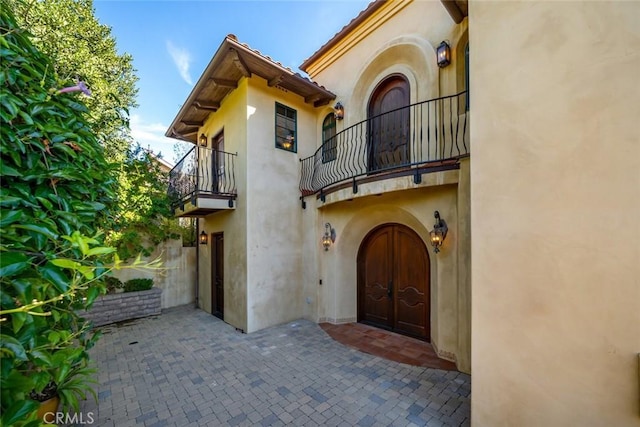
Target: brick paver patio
point(186, 367)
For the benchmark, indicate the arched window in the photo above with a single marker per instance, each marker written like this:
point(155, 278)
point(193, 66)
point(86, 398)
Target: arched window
point(329, 140)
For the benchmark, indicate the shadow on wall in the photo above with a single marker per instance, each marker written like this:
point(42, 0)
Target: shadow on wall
point(177, 278)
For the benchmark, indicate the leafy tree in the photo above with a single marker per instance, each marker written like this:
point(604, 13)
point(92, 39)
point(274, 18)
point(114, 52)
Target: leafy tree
point(83, 49)
point(144, 218)
point(56, 190)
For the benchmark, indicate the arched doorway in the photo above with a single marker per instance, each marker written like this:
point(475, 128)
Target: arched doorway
point(393, 281)
point(388, 125)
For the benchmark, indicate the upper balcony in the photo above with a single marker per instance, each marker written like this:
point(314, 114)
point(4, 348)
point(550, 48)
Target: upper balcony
point(420, 138)
point(203, 182)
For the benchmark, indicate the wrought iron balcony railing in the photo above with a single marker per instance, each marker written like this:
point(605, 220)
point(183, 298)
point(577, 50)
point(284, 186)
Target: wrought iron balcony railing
point(202, 172)
point(411, 139)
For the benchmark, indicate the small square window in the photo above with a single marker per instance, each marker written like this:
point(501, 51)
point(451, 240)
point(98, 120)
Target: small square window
point(286, 134)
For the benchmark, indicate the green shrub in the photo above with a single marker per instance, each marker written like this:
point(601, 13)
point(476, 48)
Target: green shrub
point(134, 285)
point(113, 284)
point(56, 191)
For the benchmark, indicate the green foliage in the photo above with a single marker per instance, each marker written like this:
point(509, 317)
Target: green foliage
point(134, 285)
point(187, 227)
point(81, 48)
point(113, 284)
point(57, 189)
point(143, 219)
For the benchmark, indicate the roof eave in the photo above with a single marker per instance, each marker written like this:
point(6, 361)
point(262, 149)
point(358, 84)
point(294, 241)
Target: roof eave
point(362, 16)
point(170, 133)
point(227, 45)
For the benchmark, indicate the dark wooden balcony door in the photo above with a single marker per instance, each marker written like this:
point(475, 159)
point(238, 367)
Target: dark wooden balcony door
point(217, 275)
point(393, 281)
point(388, 134)
point(217, 163)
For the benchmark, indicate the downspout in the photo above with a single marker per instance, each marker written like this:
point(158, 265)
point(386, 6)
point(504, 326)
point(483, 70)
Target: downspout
point(197, 242)
point(197, 299)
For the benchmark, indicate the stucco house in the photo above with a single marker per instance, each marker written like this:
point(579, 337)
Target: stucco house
point(368, 156)
point(353, 195)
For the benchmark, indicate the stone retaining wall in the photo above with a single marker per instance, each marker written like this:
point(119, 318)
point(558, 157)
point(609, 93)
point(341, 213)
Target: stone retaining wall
point(124, 306)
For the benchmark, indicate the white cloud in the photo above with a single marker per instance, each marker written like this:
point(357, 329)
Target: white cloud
point(151, 135)
point(182, 59)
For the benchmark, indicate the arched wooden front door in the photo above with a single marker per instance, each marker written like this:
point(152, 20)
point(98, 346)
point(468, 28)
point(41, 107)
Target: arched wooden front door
point(393, 281)
point(388, 125)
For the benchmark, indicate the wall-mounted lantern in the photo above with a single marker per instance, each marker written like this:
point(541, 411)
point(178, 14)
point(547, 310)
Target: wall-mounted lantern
point(439, 232)
point(288, 142)
point(204, 238)
point(443, 53)
point(329, 236)
point(338, 111)
point(203, 140)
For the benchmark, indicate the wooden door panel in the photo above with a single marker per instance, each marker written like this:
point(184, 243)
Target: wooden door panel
point(411, 279)
point(217, 147)
point(389, 133)
point(375, 265)
point(393, 281)
point(217, 275)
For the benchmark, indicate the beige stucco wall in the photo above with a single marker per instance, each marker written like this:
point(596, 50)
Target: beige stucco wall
point(176, 277)
point(464, 235)
point(232, 117)
point(274, 220)
point(555, 203)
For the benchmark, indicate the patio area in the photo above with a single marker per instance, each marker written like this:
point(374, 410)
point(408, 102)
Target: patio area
point(186, 367)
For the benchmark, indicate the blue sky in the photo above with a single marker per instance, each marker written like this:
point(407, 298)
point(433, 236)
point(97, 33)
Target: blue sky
point(173, 41)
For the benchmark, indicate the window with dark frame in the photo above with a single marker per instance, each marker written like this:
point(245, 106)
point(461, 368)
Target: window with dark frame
point(286, 128)
point(329, 140)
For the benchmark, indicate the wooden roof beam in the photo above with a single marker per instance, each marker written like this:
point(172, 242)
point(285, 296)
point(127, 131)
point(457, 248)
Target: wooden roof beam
point(275, 81)
point(189, 131)
point(209, 106)
point(239, 63)
point(312, 98)
point(191, 123)
point(231, 84)
point(322, 102)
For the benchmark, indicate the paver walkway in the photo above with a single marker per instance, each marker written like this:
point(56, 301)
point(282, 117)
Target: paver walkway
point(186, 367)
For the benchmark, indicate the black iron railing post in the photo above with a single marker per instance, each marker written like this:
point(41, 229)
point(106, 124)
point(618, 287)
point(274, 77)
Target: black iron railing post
point(197, 169)
point(202, 171)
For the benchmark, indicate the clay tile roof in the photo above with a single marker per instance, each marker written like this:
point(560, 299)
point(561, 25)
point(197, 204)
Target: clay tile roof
point(232, 61)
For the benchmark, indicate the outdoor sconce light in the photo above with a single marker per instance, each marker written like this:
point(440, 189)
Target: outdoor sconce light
point(443, 53)
point(338, 111)
point(204, 238)
point(439, 232)
point(288, 143)
point(329, 236)
point(203, 140)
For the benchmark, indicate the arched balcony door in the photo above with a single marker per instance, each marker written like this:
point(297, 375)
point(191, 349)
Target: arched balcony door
point(388, 130)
